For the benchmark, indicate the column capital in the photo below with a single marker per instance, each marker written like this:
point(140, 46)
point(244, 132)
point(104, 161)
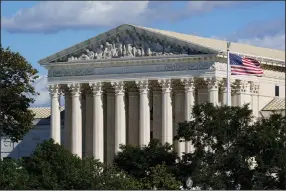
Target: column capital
point(118, 87)
point(96, 88)
point(75, 88)
point(189, 84)
point(143, 86)
point(254, 87)
point(242, 86)
point(54, 90)
point(165, 84)
point(213, 83)
point(65, 90)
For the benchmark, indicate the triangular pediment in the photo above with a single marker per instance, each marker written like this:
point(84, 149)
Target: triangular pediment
point(127, 41)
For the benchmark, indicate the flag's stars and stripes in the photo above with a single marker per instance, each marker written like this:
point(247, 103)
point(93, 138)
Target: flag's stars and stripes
point(244, 66)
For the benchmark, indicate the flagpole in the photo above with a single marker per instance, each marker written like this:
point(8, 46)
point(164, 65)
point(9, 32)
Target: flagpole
point(228, 90)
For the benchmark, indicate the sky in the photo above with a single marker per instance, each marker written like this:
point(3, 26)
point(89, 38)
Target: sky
point(37, 29)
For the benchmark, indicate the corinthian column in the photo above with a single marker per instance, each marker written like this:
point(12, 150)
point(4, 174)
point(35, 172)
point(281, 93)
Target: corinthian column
point(120, 120)
point(213, 90)
point(55, 114)
point(189, 85)
point(76, 127)
point(144, 116)
point(98, 133)
point(167, 116)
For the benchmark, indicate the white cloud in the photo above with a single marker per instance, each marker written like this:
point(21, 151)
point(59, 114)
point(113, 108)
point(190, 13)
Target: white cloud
point(40, 86)
point(198, 6)
point(43, 100)
point(53, 16)
point(57, 15)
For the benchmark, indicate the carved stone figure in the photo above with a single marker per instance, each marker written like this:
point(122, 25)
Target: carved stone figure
point(72, 58)
point(90, 54)
point(129, 50)
point(120, 50)
point(149, 52)
point(143, 52)
point(134, 51)
point(122, 46)
point(138, 53)
point(124, 51)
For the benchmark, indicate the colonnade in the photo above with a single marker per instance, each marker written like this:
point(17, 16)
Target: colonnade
point(104, 115)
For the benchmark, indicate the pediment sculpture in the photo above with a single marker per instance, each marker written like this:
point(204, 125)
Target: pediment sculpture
point(112, 51)
point(128, 47)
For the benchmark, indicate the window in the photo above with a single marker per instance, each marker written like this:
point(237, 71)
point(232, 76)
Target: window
point(151, 134)
point(276, 90)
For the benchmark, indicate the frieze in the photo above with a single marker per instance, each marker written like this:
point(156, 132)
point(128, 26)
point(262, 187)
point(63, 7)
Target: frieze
point(129, 69)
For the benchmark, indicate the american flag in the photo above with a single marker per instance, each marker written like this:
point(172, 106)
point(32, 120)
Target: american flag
point(244, 66)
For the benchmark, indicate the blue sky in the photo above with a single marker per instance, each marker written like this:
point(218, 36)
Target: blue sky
point(39, 29)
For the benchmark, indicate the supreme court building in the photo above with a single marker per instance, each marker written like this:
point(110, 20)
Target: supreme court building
point(132, 83)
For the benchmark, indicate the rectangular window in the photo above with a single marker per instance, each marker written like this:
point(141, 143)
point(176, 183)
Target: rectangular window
point(151, 134)
point(276, 90)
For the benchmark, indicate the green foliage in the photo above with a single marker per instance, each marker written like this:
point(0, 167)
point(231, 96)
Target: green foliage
point(225, 141)
point(158, 177)
point(115, 179)
point(55, 168)
point(13, 176)
point(16, 78)
point(51, 167)
point(136, 161)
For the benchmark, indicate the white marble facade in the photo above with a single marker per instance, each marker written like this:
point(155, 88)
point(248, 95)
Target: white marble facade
point(131, 84)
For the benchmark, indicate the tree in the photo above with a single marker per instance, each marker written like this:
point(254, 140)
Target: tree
point(137, 161)
point(16, 92)
point(55, 168)
point(13, 176)
point(232, 151)
point(158, 177)
point(52, 167)
point(113, 178)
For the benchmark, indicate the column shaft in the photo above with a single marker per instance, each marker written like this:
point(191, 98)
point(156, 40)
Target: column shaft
point(189, 85)
point(55, 114)
point(167, 115)
point(120, 119)
point(76, 128)
point(98, 131)
point(213, 90)
point(144, 126)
